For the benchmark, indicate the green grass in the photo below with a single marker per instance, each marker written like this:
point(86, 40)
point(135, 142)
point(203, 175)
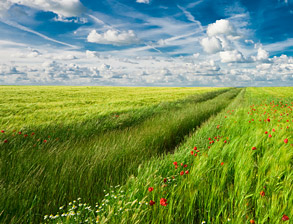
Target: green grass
point(212, 192)
point(34, 106)
point(39, 176)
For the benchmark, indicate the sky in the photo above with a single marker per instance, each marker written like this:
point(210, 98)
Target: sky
point(146, 42)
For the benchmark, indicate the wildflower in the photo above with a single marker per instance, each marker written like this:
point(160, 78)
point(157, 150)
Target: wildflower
point(33, 133)
point(268, 120)
point(286, 140)
point(262, 193)
point(163, 202)
point(19, 133)
point(273, 130)
point(2, 131)
point(225, 141)
point(185, 165)
point(181, 173)
point(253, 148)
point(195, 154)
point(266, 132)
point(152, 202)
point(270, 136)
point(150, 189)
point(165, 180)
point(222, 163)
point(186, 172)
point(210, 139)
point(5, 141)
point(181, 164)
point(252, 221)
point(45, 141)
point(285, 218)
point(191, 152)
point(175, 164)
point(25, 135)
point(195, 148)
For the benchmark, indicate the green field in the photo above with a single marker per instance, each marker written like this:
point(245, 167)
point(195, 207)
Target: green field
point(106, 154)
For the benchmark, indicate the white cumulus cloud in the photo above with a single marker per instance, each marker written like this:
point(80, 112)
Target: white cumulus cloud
point(113, 37)
point(143, 1)
point(221, 26)
point(211, 45)
point(231, 56)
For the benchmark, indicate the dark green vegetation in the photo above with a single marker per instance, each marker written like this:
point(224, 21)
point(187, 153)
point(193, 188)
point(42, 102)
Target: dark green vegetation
point(81, 159)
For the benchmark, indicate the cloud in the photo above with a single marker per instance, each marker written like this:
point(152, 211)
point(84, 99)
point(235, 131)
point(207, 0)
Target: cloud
point(221, 26)
point(21, 27)
point(67, 8)
point(211, 45)
point(113, 37)
point(60, 18)
point(231, 56)
point(143, 1)
point(262, 55)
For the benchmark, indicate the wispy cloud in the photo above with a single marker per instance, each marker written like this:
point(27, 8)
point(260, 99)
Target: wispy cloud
point(26, 29)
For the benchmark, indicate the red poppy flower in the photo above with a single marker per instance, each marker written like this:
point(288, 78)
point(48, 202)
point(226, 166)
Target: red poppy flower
point(270, 136)
point(33, 133)
point(285, 218)
point(185, 165)
point(253, 148)
point(186, 172)
point(252, 221)
point(222, 163)
point(5, 141)
point(19, 133)
point(152, 202)
point(165, 180)
point(262, 193)
point(191, 152)
point(268, 119)
point(175, 163)
point(150, 189)
point(266, 132)
point(286, 140)
point(45, 141)
point(2, 131)
point(25, 135)
point(181, 164)
point(210, 139)
point(225, 141)
point(181, 173)
point(273, 130)
point(163, 202)
point(195, 148)
point(176, 167)
point(195, 154)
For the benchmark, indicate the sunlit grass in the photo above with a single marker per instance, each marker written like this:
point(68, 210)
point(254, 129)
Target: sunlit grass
point(56, 165)
point(245, 177)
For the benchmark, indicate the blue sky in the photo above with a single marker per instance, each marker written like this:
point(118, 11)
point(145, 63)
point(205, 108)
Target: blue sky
point(146, 42)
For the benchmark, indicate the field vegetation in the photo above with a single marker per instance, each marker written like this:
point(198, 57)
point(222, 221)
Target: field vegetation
point(51, 163)
point(222, 156)
point(237, 168)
